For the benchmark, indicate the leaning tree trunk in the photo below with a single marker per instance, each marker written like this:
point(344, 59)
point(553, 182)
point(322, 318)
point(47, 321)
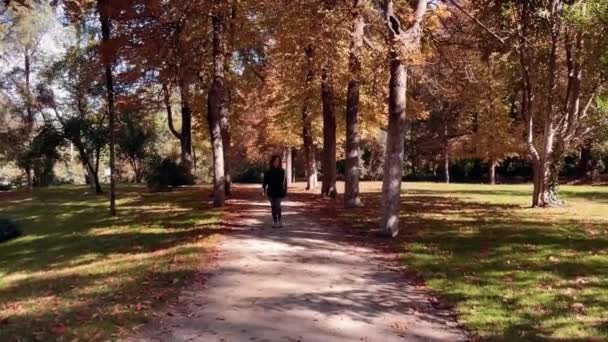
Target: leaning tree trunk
point(328, 188)
point(91, 171)
point(351, 173)
point(186, 133)
point(167, 99)
point(95, 182)
point(309, 147)
point(215, 96)
point(103, 8)
point(393, 159)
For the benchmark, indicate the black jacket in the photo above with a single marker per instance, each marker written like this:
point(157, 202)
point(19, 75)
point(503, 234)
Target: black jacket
point(275, 183)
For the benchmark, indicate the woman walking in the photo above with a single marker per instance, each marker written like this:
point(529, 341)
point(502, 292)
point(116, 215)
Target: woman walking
point(275, 187)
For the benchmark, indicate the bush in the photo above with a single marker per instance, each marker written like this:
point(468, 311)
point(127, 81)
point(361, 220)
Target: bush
point(166, 173)
point(253, 174)
point(8, 230)
point(5, 184)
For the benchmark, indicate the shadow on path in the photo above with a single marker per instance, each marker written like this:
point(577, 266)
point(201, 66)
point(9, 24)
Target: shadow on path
point(303, 282)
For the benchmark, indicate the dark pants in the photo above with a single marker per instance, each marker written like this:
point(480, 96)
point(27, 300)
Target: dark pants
point(275, 204)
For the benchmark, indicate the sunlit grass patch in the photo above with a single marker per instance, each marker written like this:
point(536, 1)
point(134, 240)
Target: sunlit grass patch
point(79, 273)
point(512, 273)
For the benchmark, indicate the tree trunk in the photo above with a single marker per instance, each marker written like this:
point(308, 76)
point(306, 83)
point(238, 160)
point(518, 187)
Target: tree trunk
point(585, 162)
point(446, 152)
point(293, 157)
point(103, 8)
point(546, 186)
point(492, 172)
point(351, 172)
point(213, 113)
point(328, 188)
point(186, 134)
point(28, 93)
point(393, 159)
point(92, 174)
point(414, 149)
point(167, 98)
point(287, 157)
point(136, 170)
point(29, 120)
point(226, 104)
point(309, 148)
point(310, 155)
point(546, 171)
point(194, 160)
point(89, 176)
point(226, 139)
point(96, 183)
point(29, 178)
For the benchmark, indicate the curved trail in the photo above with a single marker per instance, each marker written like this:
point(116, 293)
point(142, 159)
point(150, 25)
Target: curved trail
point(299, 283)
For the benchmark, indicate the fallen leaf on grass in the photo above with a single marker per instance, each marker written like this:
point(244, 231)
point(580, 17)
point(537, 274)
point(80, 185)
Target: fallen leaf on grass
point(437, 304)
point(578, 307)
point(553, 259)
point(581, 281)
point(58, 329)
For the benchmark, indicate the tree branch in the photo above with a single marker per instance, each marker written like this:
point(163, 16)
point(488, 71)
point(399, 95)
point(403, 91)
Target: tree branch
point(167, 96)
point(478, 22)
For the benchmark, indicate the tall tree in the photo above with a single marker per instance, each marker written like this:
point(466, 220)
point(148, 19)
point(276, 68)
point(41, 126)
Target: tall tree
point(328, 187)
point(186, 130)
point(216, 103)
point(104, 10)
point(402, 42)
point(351, 172)
point(229, 46)
point(556, 47)
point(308, 142)
point(23, 24)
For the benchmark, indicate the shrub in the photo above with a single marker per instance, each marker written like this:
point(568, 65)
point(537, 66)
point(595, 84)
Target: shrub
point(252, 174)
point(8, 230)
point(166, 173)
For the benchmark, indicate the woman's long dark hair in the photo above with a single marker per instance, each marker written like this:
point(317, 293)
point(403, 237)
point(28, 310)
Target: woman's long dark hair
point(273, 158)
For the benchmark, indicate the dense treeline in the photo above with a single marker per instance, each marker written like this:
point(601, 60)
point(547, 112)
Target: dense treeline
point(484, 91)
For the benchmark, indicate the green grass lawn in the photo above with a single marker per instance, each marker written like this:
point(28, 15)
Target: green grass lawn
point(78, 273)
point(513, 273)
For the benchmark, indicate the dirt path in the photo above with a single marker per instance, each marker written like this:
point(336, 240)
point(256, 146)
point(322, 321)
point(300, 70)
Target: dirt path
point(299, 283)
